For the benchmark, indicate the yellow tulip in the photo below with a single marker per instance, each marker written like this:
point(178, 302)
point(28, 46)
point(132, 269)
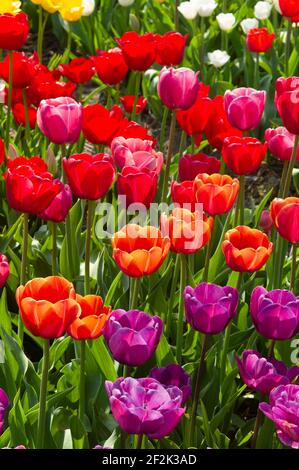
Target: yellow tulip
point(9, 6)
point(51, 6)
point(71, 10)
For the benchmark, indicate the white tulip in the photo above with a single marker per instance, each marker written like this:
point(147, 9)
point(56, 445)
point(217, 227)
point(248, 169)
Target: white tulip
point(226, 21)
point(2, 91)
point(262, 10)
point(248, 24)
point(218, 58)
point(126, 3)
point(204, 8)
point(188, 10)
point(88, 7)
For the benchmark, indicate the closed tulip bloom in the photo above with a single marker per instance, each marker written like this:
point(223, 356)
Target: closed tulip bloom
point(218, 58)
point(173, 375)
point(216, 192)
point(248, 24)
point(182, 194)
point(139, 50)
point(4, 404)
point(285, 85)
point(285, 216)
point(139, 251)
point(170, 48)
point(209, 308)
point(14, 31)
point(71, 10)
point(132, 336)
point(60, 120)
point(88, 7)
point(128, 102)
point(19, 115)
point(10, 6)
point(288, 8)
point(136, 152)
point(188, 10)
point(288, 108)
point(259, 40)
point(204, 8)
point(51, 6)
point(23, 70)
point(89, 176)
point(139, 186)
point(92, 320)
point(244, 107)
point(144, 406)
point(59, 207)
point(262, 10)
point(178, 88)
point(194, 119)
point(243, 155)
point(4, 270)
point(263, 374)
point(44, 88)
point(37, 164)
point(111, 66)
point(48, 306)
point(188, 231)
point(283, 410)
point(280, 143)
point(266, 222)
point(191, 165)
point(246, 249)
point(101, 125)
point(78, 70)
point(226, 21)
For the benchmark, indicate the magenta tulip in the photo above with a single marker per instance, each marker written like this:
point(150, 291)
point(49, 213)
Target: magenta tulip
point(60, 205)
point(244, 107)
point(4, 270)
point(178, 88)
point(280, 143)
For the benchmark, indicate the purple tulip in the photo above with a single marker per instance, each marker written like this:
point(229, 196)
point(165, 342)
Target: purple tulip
point(178, 88)
point(283, 410)
point(60, 205)
point(275, 314)
point(132, 336)
point(281, 143)
point(209, 308)
point(60, 119)
point(262, 374)
point(144, 406)
point(244, 107)
point(4, 270)
point(4, 404)
point(173, 375)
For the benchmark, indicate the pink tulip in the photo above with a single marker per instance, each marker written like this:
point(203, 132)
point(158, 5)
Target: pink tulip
point(136, 153)
point(266, 222)
point(178, 88)
point(60, 205)
point(244, 107)
point(60, 119)
point(285, 85)
point(280, 143)
point(4, 270)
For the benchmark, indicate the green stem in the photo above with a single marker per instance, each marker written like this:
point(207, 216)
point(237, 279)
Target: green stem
point(182, 143)
point(179, 338)
point(54, 248)
point(199, 377)
point(27, 124)
point(88, 247)
point(82, 380)
point(242, 199)
point(283, 177)
point(176, 15)
point(139, 441)
point(43, 396)
point(288, 47)
point(205, 275)
point(293, 268)
point(257, 72)
point(9, 100)
point(257, 425)
point(290, 168)
point(202, 44)
point(163, 128)
point(169, 156)
point(40, 34)
point(172, 294)
point(271, 348)
point(135, 284)
point(23, 276)
point(66, 55)
point(136, 94)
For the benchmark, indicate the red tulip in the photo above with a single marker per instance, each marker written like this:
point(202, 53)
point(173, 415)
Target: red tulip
point(110, 66)
point(194, 120)
point(19, 115)
point(37, 164)
point(45, 86)
point(139, 186)
point(89, 176)
point(243, 155)
point(78, 70)
point(183, 194)
point(191, 165)
point(128, 103)
point(100, 125)
point(287, 103)
point(2, 151)
point(218, 126)
point(13, 31)
point(170, 48)
point(59, 207)
point(289, 7)
point(139, 50)
point(285, 216)
point(23, 70)
point(259, 40)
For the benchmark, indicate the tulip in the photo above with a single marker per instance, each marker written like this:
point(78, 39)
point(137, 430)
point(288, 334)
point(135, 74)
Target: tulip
point(191, 165)
point(178, 88)
point(37, 164)
point(218, 58)
point(285, 85)
point(259, 40)
point(138, 186)
point(139, 50)
point(79, 70)
point(288, 8)
point(263, 375)
point(182, 194)
point(287, 105)
point(173, 375)
point(59, 207)
point(188, 231)
point(23, 69)
point(94, 315)
point(281, 143)
point(19, 115)
point(128, 103)
point(10, 6)
point(144, 406)
point(226, 21)
point(216, 192)
point(13, 31)
point(244, 107)
point(204, 8)
point(195, 119)
point(88, 7)
point(89, 176)
point(246, 249)
point(45, 86)
point(136, 152)
point(4, 270)
point(101, 125)
point(262, 10)
point(4, 404)
point(243, 155)
point(110, 66)
point(285, 216)
point(51, 6)
point(139, 251)
point(71, 10)
point(265, 222)
point(218, 126)
point(248, 24)
point(188, 10)
point(283, 411)
point(170, 48)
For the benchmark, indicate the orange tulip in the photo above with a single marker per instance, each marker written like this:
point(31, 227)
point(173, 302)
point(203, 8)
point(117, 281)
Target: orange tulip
point(48, 306)
point(188, 231)
point(139, 251)
point(246, 249)
point(285, 216)
point(216, 192)
point(92, 320)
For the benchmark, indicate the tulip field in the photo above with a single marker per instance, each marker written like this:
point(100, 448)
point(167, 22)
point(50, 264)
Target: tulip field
point(149, 210)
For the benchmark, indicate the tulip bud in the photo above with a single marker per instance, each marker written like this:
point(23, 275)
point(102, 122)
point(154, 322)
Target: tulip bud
point(218, 58)
point(248, 24)
point(262, 10)
point(134, 22)
point(226, 21)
